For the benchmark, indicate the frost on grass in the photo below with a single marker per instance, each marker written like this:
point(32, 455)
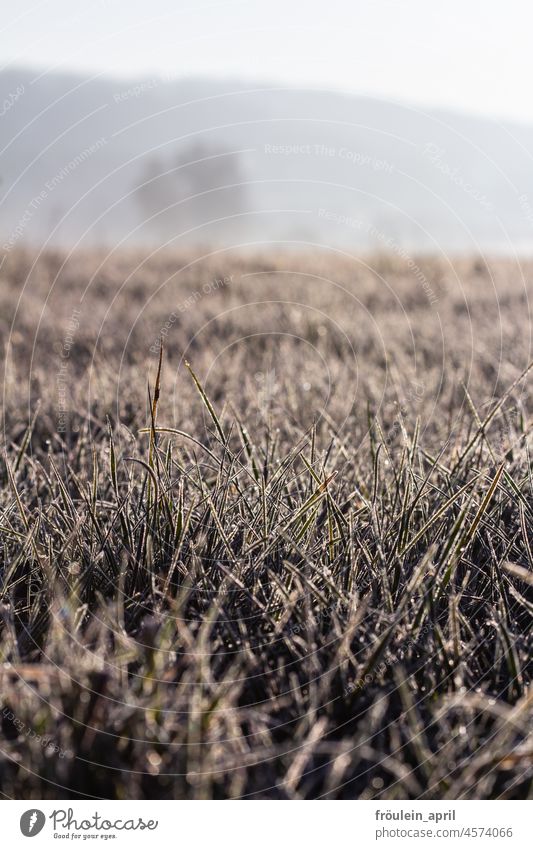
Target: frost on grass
point(291, 560)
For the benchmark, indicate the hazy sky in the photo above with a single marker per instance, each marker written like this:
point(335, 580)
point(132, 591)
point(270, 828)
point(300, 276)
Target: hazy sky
point(472, 55)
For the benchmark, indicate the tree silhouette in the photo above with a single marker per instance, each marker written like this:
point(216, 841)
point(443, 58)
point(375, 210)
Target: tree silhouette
point(202, 188)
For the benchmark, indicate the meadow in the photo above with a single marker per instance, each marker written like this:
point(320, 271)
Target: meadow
point(266, 526)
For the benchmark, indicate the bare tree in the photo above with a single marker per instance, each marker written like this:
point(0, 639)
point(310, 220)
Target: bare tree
point(202, 188)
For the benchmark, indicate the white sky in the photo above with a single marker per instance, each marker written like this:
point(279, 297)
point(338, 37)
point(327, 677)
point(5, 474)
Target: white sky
point(472, 55)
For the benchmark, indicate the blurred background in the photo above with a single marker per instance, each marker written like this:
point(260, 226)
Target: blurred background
point(358, 125)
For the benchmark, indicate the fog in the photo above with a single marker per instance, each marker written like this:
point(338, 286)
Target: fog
point(87, 161)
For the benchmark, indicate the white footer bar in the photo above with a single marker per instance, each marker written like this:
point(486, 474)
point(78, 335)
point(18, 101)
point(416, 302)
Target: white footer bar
point(268, 825)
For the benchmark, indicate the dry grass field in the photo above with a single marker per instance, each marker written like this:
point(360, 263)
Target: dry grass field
point(296, 562)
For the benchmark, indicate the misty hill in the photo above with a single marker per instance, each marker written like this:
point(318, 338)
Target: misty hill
point(94, 160)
